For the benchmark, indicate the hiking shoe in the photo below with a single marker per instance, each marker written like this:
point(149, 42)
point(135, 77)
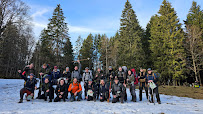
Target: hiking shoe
point(21, 101)
point(159, 102)
point(50, 100)
point(78, 99)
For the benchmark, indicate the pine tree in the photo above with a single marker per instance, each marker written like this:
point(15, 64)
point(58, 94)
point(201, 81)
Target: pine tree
point(68, 54)
point(58, 32)
point(87, 52)
point(78, 46)
point(130, 46)
point(194, 40)
point(166, 43)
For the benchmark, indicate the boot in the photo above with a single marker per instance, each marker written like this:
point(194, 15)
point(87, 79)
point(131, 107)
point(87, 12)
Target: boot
point(140, 95)
point(50, 100)
point(134, 98)
point(21, 101)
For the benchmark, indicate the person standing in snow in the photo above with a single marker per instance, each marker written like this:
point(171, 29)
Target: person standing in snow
point(76, 72)
point(130, 82)
point(44, 71)
point(118, 91)
point(86, 76)
point(75, 89)
point(110, 77)
point(29, 86)
point(152, 77)
point(121, 75)
point(56, 74)
point(142, 83)
point(99, 75)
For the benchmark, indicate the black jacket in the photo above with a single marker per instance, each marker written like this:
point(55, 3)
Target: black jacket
point(60, 88)
point(117, 87)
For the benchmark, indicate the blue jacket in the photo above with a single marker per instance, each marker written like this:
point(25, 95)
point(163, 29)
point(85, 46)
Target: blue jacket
point(152, 76)
point(56, 75)
point(30, 84)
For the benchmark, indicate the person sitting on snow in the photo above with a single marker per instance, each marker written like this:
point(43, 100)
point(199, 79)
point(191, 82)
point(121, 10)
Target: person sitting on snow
point(86, 76)
point(61, 91)
point(29, 86)
point(48, 90)
point(75, 89)
point(91, 93)
point(103, 91)
point(153, 78)
point(118, 91)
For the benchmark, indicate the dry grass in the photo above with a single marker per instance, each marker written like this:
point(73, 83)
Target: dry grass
point(180, 91)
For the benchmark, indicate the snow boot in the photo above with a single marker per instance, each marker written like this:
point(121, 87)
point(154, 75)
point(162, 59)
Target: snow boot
point(21, 101)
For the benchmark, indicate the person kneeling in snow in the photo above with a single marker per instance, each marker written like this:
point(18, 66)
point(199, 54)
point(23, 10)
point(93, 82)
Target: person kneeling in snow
point(91, 93)
point(47, 89)
point(61, 91)
point(75, 90)
point(118, 91)
point(104, 91)
point(29, 86)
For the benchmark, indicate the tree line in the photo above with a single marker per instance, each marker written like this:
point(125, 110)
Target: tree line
point(173, 49)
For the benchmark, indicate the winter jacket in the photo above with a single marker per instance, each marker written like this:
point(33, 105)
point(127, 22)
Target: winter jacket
point(56, 74)
point(131, 79)
point(111, 72)
point(77, 87)
point(61, 88)
point(117, 88)
point(46, 86)
point(152, 77)
point(87, 76)
point(45, 71)
point(121, 76)
point(103, 89)
point(30, 84)
point(100, 76)
point(76, 73)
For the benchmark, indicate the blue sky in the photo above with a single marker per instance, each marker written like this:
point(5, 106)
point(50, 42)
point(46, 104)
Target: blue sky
point(98, 16)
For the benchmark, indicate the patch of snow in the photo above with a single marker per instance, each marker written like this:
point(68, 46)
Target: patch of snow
point(10, 95)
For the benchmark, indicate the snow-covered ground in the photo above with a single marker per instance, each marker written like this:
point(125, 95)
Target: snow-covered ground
point(9, 96)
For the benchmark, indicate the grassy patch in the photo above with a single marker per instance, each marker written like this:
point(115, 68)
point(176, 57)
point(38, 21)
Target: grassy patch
point(180, 91)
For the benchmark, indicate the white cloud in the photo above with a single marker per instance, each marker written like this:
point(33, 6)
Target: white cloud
point(77, 29)
point(39, 13)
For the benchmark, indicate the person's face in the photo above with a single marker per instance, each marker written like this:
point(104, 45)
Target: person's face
point(67, 69)
point(61, 82)
point(90, 82)
point(141, 70)
point(116, 81)
point(102, 82)
point(98, 69)
point(129, 72)
point(76, 68)
point(110, 68)
point(86, 70)
point(44, 66)
point(75, 80)
point(31, 77)
point(120, 69)
point(149, 71)
point(46, 80)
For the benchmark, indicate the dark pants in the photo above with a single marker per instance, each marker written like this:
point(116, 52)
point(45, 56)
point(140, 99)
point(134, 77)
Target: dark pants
point(85, 87)
point(141, 86)
point(23, 91)
point(155, 91)
point(72, 98)
point(132, 91)
point(121, 97)
point(57, 99)
point(104, 96)
point(97, 90)
point(50, 94)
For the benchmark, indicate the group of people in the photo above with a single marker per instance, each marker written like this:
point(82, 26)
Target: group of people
point(97, 86)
